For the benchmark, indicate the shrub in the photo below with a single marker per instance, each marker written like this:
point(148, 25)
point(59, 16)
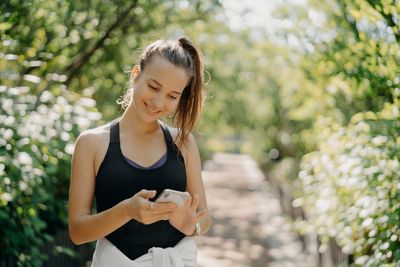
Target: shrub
point(35, 150)
point(351, 188)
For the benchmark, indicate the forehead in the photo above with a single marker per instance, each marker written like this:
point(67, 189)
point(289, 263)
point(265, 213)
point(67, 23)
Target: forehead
point(167, 74)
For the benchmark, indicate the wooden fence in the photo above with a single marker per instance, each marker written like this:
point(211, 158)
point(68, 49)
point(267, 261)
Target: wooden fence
point(333, 255)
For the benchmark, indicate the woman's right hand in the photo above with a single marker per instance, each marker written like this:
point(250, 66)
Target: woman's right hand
point(142, 210)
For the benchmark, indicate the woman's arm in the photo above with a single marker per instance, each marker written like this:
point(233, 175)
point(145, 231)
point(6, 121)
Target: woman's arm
point(194, 181)
point(86, 227)
point(83, 226)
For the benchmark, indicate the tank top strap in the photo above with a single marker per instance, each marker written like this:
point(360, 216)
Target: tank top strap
point(114, 131)
point(167, 134)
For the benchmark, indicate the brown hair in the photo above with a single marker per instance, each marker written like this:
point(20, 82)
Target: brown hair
point(182, 53)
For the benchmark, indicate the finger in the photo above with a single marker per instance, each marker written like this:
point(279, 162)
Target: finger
point(164, 206)
point(157, 209)
point(188, 201)
point(147, 193)
point(158, 217)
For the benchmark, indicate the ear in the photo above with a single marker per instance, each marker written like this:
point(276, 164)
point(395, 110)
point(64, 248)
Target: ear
point(135, 72)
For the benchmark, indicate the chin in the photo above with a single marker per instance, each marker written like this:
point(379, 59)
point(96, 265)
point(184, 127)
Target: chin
point(148, 118)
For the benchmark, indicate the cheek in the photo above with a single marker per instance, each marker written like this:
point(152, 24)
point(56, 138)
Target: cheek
point(173, 106)
point(138, 91)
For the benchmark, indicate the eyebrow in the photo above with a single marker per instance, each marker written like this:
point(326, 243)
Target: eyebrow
point(160, 85)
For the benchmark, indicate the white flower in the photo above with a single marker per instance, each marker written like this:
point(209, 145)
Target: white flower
point(67, 126)
point(367, 222)
point(69, 149)
point(82, 122)
point(2, 167)
point(383, 219)
point(9, 120)
point(54, 116)
point(360, 260)
point(7, 181)
point(24, 158)
point(64, 136)
point(384, 246)
point(43, 109)
point(62, 101)
point(358, 170)
point(94, 116)
point(46, 97)
point(379, 140)
point(23, 186)
point(32, 78)
point(323, 205)
point(7, 104)
point(51, 133)
point(6, 197)
point(8, 134)
point(86, 102)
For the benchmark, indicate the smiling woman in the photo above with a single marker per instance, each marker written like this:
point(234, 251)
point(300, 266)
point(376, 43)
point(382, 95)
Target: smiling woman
point(185, 57)
point(127, 163)
point(159, 87)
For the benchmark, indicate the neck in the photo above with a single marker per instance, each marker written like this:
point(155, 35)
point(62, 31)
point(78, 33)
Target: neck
point(131, 123)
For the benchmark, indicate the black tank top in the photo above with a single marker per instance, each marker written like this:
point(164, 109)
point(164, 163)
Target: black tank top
point(118, 180)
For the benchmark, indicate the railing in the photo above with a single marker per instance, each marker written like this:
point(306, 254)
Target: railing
point(333, 255)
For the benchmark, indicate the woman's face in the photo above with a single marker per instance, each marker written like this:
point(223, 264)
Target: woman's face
point(158, 88)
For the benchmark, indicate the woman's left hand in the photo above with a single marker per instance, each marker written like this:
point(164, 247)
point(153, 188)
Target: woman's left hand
point(184, 218)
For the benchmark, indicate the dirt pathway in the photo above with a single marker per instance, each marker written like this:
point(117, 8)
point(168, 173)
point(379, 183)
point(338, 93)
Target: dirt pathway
point(248, 226)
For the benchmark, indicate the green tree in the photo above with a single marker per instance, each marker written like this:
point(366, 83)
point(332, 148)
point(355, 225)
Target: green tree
point(57, 58)
point(345, 99)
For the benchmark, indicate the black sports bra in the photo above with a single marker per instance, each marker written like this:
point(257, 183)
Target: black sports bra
point(118, 180)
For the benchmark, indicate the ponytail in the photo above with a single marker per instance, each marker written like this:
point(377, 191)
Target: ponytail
point(191, 103)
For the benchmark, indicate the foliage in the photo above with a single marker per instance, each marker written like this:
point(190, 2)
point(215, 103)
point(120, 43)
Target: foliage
point(351, 188)
point(60, 62)
point(68, 41)
point(277, 101)
point(36, 147)
point(342, 111)
point(349, 63)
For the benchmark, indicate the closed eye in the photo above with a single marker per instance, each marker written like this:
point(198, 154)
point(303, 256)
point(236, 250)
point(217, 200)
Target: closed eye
point(157, 89)
point(153, 88)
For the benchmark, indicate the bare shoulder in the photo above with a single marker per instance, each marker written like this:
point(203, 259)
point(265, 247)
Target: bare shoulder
point(94, 136)
point(189, 144)
point(94, 143)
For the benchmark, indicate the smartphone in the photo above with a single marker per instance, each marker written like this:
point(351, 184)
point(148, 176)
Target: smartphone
point(177, 197)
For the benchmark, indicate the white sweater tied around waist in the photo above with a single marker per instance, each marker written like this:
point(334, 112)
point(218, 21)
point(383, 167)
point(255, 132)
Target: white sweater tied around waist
point(183, 254)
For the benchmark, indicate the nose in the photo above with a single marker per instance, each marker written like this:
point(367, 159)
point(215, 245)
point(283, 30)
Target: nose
point(158, 102)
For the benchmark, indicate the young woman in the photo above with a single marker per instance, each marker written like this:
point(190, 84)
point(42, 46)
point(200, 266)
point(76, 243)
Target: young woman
point(126, 164)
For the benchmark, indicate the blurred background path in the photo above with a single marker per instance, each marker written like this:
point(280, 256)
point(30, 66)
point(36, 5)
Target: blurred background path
point(249, 228)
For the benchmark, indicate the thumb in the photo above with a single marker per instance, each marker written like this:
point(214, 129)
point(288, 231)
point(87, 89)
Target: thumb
point(147, 193)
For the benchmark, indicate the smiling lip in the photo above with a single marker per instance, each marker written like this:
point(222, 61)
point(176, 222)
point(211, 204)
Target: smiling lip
point(150, 109)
